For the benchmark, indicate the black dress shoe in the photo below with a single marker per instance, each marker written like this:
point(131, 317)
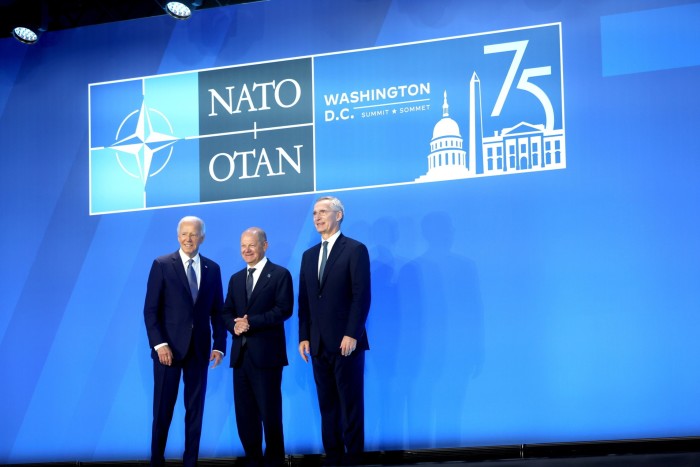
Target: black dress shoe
point(352, 459)
point(331, 461)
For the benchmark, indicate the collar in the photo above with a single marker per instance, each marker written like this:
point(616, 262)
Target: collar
point(184, 258)
point(259, 266)
point(331, 240)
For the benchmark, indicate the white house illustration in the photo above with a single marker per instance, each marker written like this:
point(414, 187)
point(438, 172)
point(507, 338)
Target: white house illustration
point(523, 147)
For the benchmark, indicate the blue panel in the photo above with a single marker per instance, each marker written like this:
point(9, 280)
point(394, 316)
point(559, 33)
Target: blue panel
point(651, 40)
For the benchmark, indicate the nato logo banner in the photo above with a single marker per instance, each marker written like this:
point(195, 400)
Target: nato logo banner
point(447, 109)
point(141, 151)
point(224, 134)
point(256, 130)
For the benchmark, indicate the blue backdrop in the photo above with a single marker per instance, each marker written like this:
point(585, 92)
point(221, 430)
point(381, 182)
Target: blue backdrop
point(540, 307)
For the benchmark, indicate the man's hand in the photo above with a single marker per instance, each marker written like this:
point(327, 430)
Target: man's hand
point(304, 350)
point(165, 355)
point(241, 325)
point(216, 357)
point(347, 346)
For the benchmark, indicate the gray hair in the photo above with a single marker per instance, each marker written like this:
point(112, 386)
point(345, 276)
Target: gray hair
point(335, 203)
point(194, 220)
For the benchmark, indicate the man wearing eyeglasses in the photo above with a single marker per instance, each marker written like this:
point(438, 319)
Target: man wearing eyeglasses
point(334, 301)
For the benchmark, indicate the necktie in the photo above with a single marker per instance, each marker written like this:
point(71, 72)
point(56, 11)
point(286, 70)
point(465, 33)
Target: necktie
point(249, 283)
point(324, 258)
point(192, 279)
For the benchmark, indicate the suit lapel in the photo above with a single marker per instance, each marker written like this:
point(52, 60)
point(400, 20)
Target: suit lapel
point(335, 253)
point(204, 271)
point(312, 265)
point(179, 270)
point(263, 281)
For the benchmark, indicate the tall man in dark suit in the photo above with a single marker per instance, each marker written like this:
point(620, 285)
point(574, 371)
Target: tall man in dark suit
point(334, 300)
point(183, 303)
point(260, 298)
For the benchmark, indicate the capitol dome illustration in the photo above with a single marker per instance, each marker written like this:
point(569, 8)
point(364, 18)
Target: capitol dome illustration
point(447, 159)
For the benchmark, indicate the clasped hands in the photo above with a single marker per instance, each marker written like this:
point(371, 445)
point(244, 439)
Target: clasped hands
point(241, 325)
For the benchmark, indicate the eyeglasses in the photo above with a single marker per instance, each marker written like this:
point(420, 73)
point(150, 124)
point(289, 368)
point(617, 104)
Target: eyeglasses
point(323, 212)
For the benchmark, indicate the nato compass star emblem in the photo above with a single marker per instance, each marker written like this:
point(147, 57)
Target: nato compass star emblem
point(144, 144)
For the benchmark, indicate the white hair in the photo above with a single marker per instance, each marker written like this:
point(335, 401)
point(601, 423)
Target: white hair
point(193, 220)
point(335, 203)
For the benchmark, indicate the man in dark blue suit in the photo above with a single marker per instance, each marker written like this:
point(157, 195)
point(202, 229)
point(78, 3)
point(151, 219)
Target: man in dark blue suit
point(183, 303)
point(334, 300)
point(260, 298)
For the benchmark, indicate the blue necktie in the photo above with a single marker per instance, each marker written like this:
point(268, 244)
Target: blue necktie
point(249, 283)
point(192, 279)
point(324, 258)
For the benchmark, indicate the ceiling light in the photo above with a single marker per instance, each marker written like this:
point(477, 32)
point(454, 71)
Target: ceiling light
point(178, 10)
point(26, 35)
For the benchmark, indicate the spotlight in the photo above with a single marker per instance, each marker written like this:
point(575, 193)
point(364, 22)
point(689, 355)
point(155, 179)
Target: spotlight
point(26, 35)
point(181, 10)
point(178, 10)
point(31, 21)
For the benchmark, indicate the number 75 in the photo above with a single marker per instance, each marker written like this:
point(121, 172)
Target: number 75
point(519, 48)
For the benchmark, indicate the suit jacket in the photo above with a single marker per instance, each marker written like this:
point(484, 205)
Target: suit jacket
point(270, 304)
point(172, 317)
point(337, 306)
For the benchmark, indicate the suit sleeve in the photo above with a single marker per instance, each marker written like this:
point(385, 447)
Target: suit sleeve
point(361, 292)
point(303, 302)
point(229, 312)
point(153, 305)
point(283, 304)
point(217, 323)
